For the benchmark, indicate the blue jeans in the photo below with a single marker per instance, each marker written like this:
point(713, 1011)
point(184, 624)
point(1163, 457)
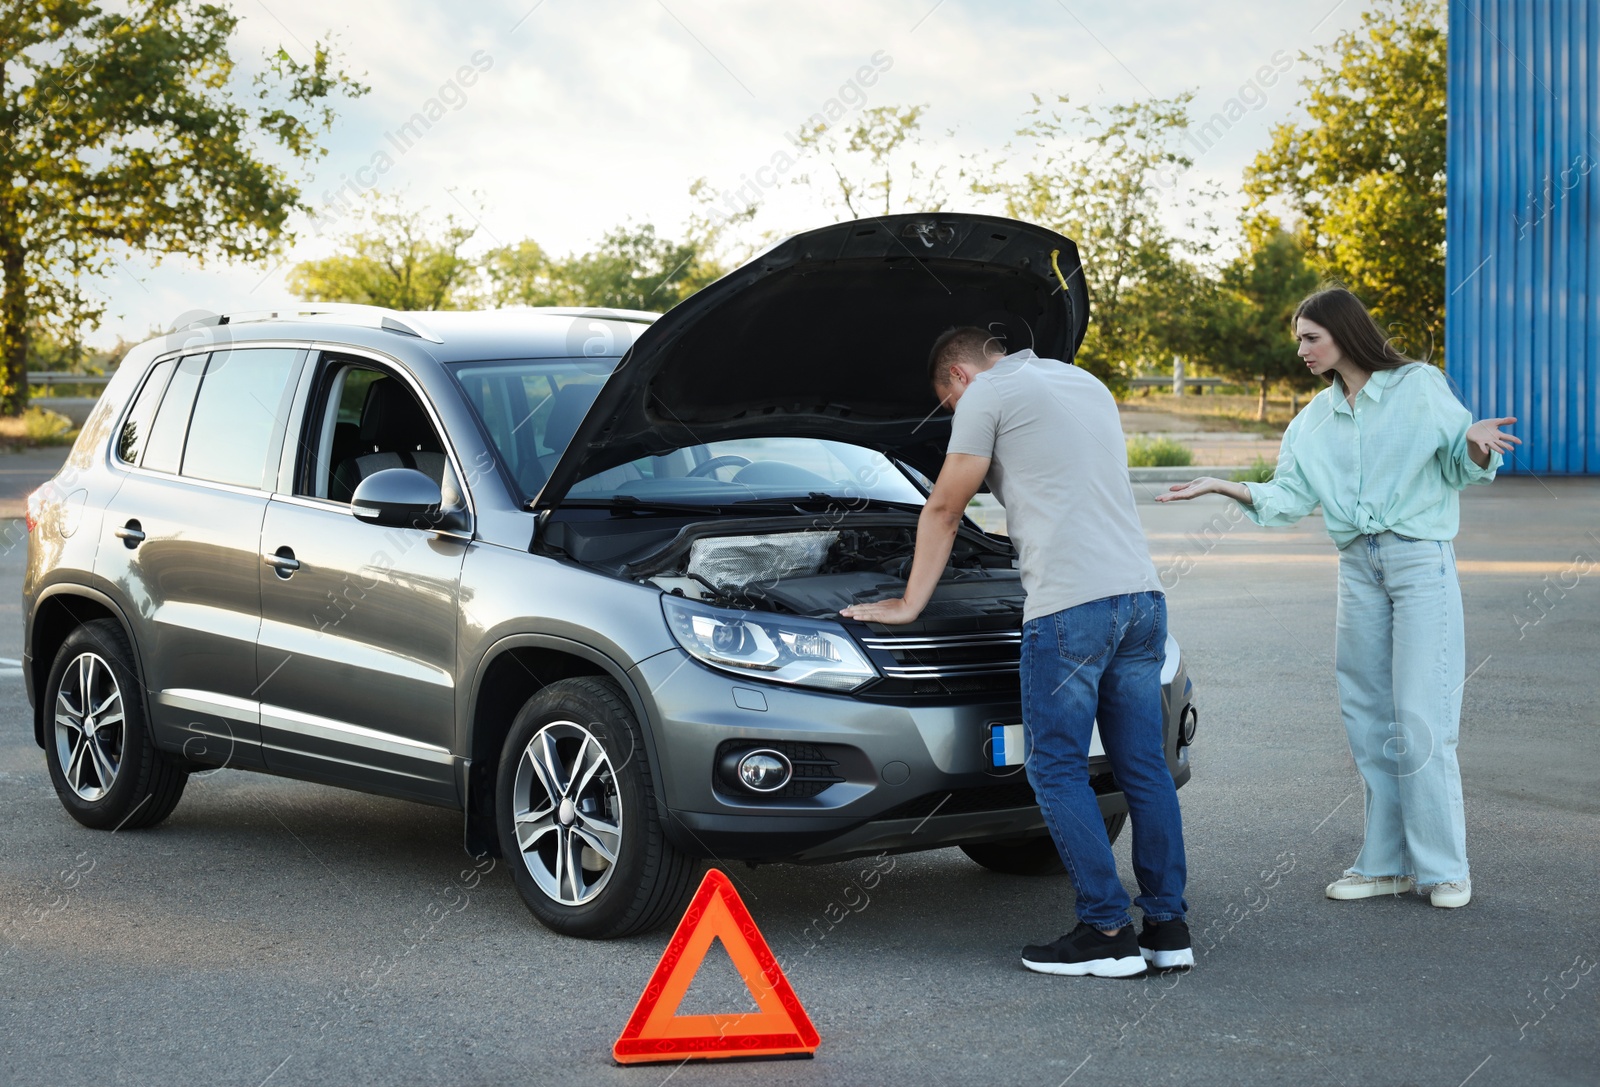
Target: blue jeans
point(1400, 657)
point(1104, 657)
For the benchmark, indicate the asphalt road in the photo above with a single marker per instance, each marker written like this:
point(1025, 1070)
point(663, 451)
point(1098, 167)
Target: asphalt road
point(20, 472)
point(278, 933)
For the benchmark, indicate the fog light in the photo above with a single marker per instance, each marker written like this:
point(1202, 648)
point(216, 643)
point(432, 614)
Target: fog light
point(764, 770)
point(1187, 725)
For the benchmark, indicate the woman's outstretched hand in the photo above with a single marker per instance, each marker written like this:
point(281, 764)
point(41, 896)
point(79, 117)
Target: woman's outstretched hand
point(1182, 492)
point(1486, 437)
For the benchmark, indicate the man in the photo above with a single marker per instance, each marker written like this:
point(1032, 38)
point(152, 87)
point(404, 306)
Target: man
point(1047, 437)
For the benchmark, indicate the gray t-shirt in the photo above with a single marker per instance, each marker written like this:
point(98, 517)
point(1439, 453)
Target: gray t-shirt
point(1060, 467)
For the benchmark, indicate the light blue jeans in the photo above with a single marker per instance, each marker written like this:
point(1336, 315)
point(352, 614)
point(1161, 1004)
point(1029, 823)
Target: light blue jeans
point(1400, 658)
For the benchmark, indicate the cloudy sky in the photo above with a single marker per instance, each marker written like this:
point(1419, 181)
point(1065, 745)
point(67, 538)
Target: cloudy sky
point(582, 115)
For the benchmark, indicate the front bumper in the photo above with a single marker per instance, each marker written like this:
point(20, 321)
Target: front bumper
point(908, 776)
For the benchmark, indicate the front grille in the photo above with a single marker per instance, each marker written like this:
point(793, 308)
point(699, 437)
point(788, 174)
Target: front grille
point(937, 656)
point(982, 798)
point(813, 770)
point(973, 662)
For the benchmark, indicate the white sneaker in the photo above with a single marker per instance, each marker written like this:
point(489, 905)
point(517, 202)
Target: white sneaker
point(1356, 886)
point(1452, 895)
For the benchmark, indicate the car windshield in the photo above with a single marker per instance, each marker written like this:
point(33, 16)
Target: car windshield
point(532, 408)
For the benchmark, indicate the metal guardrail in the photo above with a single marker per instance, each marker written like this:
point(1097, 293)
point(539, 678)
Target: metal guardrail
point(1166, 382)
point(76, 408)
point(54, 377)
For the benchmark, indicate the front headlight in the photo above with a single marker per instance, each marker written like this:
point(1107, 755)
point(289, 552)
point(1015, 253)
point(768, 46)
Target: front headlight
point(781, 648)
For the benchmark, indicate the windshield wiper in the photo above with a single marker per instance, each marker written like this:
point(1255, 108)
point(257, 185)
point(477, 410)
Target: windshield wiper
point(828, 501)
point(622, 502)
point(810, 502)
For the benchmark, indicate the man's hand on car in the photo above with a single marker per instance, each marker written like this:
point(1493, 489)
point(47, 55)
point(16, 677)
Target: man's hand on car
point(959, 479)
point(898, 610)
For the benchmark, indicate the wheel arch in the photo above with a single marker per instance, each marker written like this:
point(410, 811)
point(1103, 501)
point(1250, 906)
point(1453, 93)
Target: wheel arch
point(59, 610)
point(513, 670)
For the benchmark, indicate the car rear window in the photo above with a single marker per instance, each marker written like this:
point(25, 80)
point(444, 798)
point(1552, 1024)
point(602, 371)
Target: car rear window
point(238, 414)
point(135, 430)
point(165, 448)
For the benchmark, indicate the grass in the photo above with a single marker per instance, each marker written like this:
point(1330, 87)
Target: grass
point(35, 427)
point(1158, 453)
point(1259, 472)
point(1217, 412)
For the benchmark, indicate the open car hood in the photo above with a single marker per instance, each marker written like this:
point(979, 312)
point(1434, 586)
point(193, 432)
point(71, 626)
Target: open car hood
point(826, 335)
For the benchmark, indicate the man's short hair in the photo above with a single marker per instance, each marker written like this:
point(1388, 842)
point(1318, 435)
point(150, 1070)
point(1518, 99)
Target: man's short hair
point(964, 344)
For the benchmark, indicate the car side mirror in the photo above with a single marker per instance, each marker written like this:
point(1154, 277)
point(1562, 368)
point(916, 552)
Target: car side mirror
point(404, 498)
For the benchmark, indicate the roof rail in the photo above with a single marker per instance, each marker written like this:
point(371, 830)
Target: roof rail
point(351, 312)
point(638, 316)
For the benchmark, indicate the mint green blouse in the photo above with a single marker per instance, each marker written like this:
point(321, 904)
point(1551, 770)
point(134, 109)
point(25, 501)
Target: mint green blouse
point(1394, 462)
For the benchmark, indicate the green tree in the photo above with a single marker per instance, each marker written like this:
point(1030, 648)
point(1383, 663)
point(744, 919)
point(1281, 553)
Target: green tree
point(127, 131)
point(523, 274)
point(633, 267)
point(1247, 334)
point(1366, 174)
point(1092, 177)
point(717, 235)
point(393, 256)
point(1174, 309)
point(867, 167)
point(48, 352)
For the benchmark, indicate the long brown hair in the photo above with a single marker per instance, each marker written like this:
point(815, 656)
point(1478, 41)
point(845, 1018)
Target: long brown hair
point(1359, 338)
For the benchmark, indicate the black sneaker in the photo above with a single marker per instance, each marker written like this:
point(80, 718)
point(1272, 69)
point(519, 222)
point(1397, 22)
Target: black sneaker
point(1165, 944)
point(1087, 950)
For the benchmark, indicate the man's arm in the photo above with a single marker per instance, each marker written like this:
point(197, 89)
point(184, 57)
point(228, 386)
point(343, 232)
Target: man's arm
point(959, 479)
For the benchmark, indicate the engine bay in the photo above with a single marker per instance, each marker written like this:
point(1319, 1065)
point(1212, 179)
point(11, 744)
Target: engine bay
point(815, 571)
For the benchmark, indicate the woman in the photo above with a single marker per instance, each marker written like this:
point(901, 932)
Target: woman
point(1385, 450)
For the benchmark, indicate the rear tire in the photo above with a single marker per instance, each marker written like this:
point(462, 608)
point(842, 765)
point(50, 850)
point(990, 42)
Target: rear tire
point(575, 811)
point(105, 769)
point(1035, 856)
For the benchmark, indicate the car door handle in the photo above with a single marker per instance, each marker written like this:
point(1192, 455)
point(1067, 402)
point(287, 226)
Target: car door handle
point(131, 534)
point(283, 561)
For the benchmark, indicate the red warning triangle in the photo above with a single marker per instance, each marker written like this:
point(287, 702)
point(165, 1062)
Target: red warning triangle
point(656, 1032)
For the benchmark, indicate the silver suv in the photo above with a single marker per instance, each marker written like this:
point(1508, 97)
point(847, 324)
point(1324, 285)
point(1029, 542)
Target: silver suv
point(574, 573)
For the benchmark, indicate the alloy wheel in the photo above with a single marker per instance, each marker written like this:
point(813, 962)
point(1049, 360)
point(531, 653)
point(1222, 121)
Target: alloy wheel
point(567, 814)
point(90, 730)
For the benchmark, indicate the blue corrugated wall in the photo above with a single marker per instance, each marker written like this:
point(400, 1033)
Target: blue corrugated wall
point(1522, 276)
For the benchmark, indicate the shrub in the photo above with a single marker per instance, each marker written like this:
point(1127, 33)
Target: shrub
point(36, 426)
point(46, 427)
point(1259, 472)
point(1158, 453)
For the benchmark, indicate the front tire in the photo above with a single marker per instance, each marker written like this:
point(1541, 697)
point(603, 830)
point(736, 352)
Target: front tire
point(575, 810)
point(1031, 856)
point(105, 769)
